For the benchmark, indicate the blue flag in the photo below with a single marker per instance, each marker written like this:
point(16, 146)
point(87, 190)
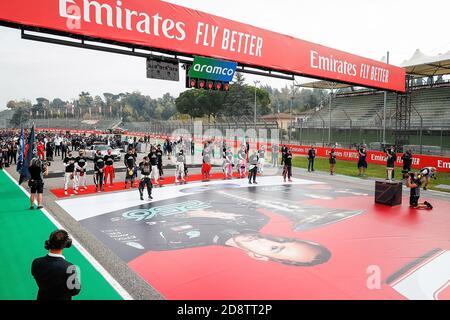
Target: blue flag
point(21, 151)
point(31, 153)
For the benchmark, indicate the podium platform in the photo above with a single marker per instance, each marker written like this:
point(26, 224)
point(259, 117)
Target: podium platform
point(388, 193)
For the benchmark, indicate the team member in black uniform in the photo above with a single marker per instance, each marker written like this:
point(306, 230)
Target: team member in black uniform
point(130, 164)
point(414, 183)
point(81, 169)
point(153, 156)
point(287, 169)
point(37, 171)
point(159, 154)
point(99, 167)
point(332, 161)
point(362, 160)
point(146, 169)
point(69, 175)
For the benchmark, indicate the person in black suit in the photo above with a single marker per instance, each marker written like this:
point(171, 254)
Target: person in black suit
point(56, 278)
point(311, 158)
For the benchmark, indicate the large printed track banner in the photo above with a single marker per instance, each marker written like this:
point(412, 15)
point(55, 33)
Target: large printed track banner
point(303, 240)
point(165, 26)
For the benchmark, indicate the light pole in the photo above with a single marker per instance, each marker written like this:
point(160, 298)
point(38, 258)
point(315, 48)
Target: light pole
point(256, 84)
point(294, 91)
point(384, 109)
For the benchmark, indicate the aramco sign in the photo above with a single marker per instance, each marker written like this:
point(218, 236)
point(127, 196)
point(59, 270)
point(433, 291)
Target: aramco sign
point(212, 69)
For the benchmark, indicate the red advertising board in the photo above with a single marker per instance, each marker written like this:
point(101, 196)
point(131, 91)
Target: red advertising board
point(165, 26)
point(442, 164)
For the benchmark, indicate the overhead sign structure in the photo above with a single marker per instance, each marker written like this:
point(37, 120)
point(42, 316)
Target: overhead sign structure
point(172, 28)
point(212, 69)
point(163, 69)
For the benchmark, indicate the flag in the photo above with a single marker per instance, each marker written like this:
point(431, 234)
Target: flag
point(21, 150)
point(31, 152)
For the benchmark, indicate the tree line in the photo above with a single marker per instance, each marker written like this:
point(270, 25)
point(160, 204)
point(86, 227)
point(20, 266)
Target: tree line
point(239, 101)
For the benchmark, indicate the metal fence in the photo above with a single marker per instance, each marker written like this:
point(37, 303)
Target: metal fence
point(432, 139)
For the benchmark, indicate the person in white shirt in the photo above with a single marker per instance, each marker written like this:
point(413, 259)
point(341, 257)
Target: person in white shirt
point(179, 171)
point(261, 160)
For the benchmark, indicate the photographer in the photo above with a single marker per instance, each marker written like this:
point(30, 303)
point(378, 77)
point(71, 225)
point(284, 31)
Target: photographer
point(37, 171)
point(414, 182)
point(427, 174)
point(56, 278)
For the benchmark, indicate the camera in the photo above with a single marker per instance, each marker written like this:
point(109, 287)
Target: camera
point(415, 178)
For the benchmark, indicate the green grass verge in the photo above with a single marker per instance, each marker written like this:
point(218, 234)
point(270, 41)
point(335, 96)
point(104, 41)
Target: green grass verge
point(349, 168)
point(22, 234)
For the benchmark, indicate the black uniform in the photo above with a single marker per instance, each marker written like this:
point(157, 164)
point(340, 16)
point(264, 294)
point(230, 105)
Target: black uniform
point(414, 195)
point(36, 182)
point(159, 155)
point(146, 169)
point(130, 163)
point(99, 165)
point(153, 158)
point(287, 170)
point(407, 161)
point(81, 162)
point(109, 160)
point(70, 161)
point(362, 159)
point(52, 275)
point(311, 158)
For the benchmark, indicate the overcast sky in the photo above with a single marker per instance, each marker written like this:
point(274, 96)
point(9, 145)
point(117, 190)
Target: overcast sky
point(367, 28)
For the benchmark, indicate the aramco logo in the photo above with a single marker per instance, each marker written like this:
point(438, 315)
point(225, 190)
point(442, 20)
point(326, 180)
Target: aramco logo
point(212, 69)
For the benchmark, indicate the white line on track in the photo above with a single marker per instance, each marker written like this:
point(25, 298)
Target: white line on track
point(113, 282)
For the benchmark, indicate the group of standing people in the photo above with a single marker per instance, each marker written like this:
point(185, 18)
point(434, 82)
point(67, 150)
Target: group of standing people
point(8, 152)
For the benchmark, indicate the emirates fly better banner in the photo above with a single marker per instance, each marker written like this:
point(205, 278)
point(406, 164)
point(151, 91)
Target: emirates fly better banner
point(161, 25)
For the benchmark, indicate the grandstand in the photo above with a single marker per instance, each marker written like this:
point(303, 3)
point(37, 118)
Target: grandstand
point(418, 118)
point(365, 109)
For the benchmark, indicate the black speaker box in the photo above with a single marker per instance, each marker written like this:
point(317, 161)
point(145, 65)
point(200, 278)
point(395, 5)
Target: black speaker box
point(388, 193)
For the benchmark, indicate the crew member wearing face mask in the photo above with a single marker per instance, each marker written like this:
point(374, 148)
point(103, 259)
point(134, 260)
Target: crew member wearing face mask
point(99, 165)
point(153, 156)
point(69, 173)
point(109, 168)
point(130, 163)
point(146, 182)
point(81, 169)
point(179, 171)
